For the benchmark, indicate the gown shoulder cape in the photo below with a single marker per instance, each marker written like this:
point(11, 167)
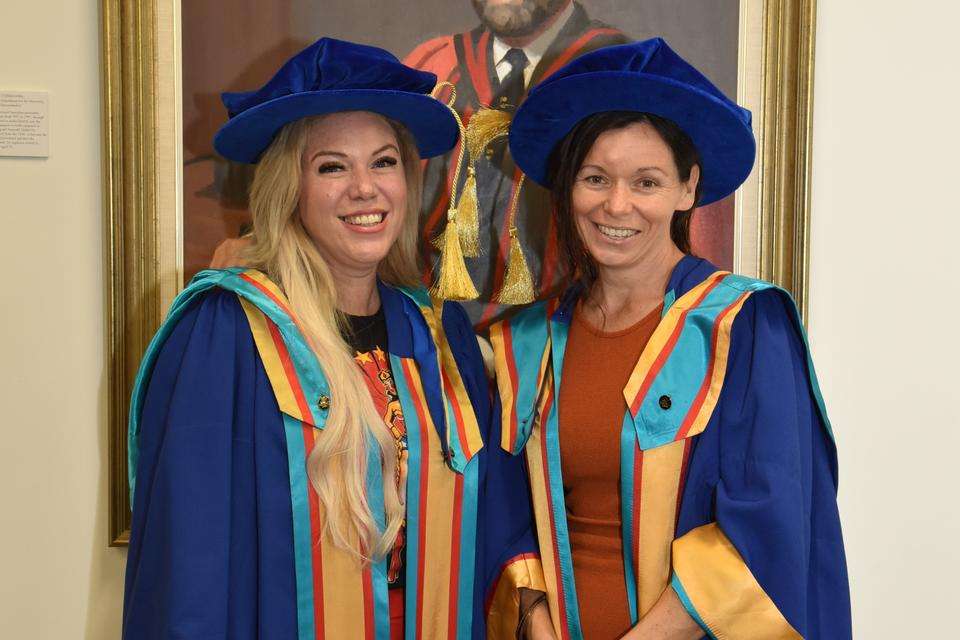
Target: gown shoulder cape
point(728, 468)
point(226, 539)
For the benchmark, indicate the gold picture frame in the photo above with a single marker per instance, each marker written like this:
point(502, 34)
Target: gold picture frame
point(141, 130)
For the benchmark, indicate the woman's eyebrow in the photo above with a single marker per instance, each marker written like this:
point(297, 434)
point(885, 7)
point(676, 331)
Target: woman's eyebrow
point(638, 170)
point(592, 166)
point(385, 147)
point(324, 152)
point(338, 154)
point(651, 168)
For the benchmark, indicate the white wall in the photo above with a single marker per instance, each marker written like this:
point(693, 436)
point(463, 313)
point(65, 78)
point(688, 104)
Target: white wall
point(57, 578)
point(884, 301)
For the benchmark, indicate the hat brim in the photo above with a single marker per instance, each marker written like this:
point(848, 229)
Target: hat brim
point(248, 134)
point(725, 142)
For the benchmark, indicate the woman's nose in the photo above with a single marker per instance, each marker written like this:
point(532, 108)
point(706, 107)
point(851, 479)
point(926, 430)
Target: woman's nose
point(618, 200)
point(362, 187)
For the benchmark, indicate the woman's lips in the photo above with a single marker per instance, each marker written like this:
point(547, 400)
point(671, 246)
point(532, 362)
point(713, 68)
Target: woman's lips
point(615, 233)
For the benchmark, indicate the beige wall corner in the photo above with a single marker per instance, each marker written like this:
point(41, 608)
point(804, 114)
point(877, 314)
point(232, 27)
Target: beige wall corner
point(59, 579)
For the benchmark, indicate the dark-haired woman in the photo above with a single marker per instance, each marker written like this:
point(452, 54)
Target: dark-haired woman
point(681, 462)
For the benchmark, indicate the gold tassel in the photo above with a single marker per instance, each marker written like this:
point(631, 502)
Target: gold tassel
point(454, 281)
point(486, 125)
point(468, 218)
point(517, 285)
point(469, 228)
point(438, 240)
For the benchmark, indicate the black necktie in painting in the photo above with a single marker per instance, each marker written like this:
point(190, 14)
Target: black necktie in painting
point(512, 85)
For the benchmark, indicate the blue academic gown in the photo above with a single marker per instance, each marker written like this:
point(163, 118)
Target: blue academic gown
point(765, 469)
point(211, 547)
point(743, 449)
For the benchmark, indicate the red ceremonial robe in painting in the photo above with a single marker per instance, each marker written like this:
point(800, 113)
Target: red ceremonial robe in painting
point(466, 61)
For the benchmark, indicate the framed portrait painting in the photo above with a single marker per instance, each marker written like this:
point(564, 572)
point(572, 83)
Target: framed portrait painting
point(171, 200)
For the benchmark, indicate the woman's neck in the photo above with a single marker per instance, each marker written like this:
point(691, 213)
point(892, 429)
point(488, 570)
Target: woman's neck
point(357, 293)
point(621, 297)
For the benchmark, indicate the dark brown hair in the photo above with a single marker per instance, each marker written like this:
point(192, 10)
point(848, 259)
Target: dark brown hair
point(565, 163)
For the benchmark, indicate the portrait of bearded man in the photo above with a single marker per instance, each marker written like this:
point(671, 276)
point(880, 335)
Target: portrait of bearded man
point(517, 44)
point(511, 46)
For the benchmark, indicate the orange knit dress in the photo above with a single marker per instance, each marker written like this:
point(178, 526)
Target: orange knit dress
point(596, 368)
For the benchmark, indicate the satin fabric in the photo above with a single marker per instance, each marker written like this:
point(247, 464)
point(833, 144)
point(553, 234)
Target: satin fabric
point(738, 514)
point(211, 551)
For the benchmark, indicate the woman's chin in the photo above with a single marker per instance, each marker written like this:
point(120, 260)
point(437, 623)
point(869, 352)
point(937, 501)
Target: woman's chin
point(611, 257)
point(368, 258)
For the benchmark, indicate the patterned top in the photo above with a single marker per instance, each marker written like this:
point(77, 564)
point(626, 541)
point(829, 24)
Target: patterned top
point(368, 339)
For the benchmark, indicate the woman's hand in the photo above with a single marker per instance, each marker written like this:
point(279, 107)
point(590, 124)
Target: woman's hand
point(229, 253)
point(539, 625)
point(667, 620)
point(535, 622)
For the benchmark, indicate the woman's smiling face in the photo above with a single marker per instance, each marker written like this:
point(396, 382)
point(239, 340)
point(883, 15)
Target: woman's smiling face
point(625, 194)
point(353, 189)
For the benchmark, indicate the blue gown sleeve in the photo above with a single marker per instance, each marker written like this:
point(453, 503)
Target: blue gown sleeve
point(507, 557)
point(191, 565)
point(759, 552)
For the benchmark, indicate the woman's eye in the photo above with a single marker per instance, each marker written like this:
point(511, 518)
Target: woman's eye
point(594, 180)
point(330, 167)
point(385, 161)
point(647, 183)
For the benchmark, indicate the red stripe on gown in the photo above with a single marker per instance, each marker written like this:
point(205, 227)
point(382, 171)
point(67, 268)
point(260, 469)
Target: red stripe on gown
point(396, 614)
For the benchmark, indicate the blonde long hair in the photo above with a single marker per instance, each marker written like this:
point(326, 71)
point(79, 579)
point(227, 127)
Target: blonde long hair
point(281, 247)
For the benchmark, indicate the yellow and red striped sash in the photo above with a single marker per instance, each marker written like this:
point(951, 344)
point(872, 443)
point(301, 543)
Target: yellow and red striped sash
point(670, 397)
point(441, 497)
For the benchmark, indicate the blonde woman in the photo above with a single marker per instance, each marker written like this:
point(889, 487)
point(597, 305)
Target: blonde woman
point(309, 437)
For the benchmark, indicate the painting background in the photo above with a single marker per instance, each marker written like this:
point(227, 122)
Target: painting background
point(239, 47)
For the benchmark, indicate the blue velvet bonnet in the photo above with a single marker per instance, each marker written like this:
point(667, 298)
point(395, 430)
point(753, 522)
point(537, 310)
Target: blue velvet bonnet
point(330, 76)
point(649, 77)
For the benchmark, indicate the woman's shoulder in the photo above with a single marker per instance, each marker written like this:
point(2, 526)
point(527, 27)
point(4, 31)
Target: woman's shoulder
point(768, 332)
point(536, 314)
point(226, 299)
point(724, 297)
point(216, 308)
point(765, 307)
point(211, 325)
point(198, 352)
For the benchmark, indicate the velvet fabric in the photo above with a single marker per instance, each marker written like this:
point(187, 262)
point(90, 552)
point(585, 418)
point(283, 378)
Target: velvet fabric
point(330, 76)
point(649, 77)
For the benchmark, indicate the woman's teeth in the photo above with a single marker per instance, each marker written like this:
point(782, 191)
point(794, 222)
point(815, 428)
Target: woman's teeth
point(614, 232)
point(364, 220)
